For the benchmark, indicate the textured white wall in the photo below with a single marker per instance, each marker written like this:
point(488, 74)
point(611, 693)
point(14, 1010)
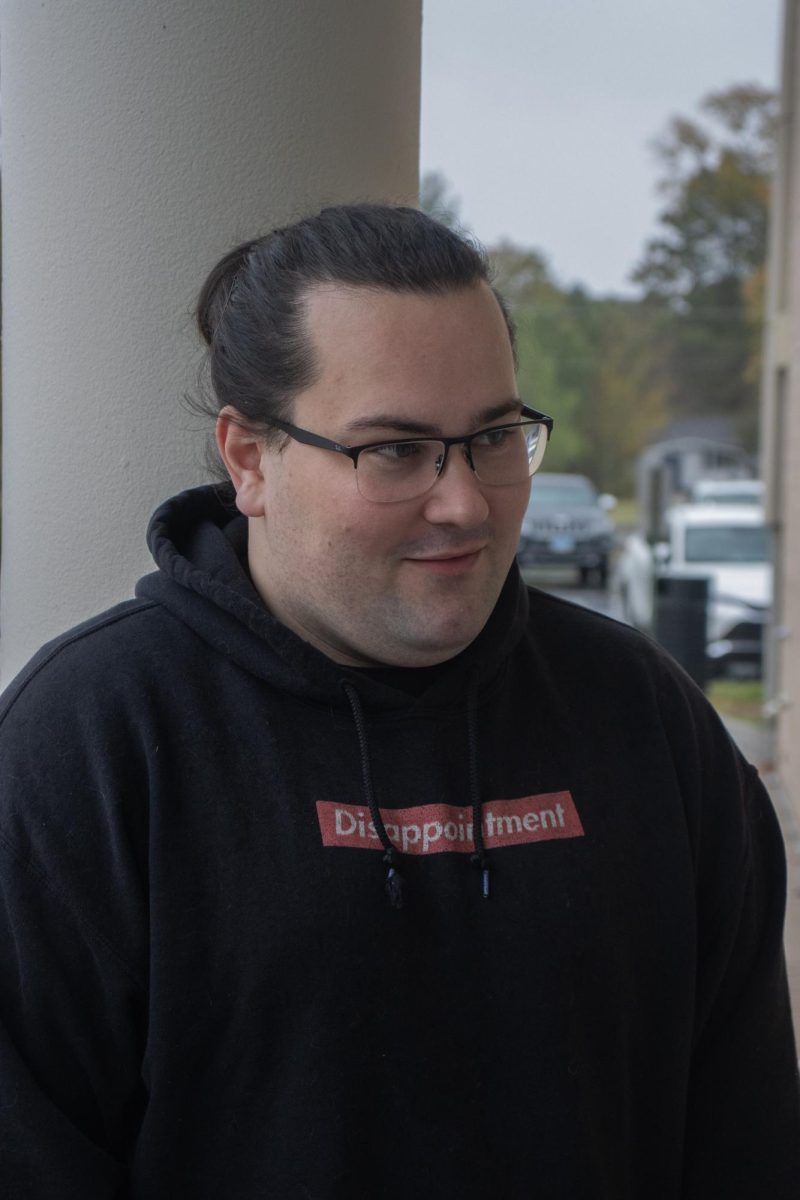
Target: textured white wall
point(780, 424)
point(789, 715)
point(141, 140)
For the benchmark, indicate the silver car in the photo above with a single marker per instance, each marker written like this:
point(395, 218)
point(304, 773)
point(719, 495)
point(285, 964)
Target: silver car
point(567, 524)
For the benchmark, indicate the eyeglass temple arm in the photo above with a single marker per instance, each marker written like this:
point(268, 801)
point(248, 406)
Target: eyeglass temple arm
point(313, 439)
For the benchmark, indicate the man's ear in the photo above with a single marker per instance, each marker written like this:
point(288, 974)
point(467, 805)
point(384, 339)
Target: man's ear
point(241, 450)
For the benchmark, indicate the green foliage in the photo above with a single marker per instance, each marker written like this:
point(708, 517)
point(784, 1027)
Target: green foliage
point(702, 266)
point(626, 397)
point(437, 199)
point(591, 365)
point(542, 382)
point(740, 698)
point(611, 371)
point(522, 276)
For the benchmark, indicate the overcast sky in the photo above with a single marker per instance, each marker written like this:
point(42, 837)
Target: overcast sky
point(540, 113)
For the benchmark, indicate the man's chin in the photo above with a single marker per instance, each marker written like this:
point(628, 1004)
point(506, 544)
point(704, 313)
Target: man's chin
point(414, 631)
point(434, 644)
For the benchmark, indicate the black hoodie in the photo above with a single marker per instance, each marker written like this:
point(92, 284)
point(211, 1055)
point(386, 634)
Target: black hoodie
point(205, 990)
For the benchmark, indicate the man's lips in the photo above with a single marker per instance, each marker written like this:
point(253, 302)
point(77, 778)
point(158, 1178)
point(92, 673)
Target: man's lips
point(448, 562)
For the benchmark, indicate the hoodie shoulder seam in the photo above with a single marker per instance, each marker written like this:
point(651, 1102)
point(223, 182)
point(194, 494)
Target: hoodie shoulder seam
point(68, 639)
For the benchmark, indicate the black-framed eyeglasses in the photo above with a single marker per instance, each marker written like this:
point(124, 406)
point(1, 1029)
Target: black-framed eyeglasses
point(404, 468)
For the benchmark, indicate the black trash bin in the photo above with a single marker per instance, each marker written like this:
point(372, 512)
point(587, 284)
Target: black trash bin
point(680, 622)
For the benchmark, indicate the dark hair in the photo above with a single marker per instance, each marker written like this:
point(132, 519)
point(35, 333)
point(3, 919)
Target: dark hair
point(250, 309)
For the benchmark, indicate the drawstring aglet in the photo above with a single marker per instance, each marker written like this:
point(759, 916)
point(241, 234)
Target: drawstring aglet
point(479, 860)
point(394, 887)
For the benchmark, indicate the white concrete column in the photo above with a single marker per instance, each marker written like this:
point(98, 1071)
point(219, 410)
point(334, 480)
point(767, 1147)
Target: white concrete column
point(140, 141)
point(780, 425)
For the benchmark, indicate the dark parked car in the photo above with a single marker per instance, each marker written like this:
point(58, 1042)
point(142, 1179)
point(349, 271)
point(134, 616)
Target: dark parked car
point(567, 524)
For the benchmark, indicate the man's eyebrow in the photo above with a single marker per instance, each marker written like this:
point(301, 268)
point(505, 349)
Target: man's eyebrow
point(398, 424)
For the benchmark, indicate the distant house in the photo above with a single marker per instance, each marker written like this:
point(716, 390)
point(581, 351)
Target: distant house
point(687, 450)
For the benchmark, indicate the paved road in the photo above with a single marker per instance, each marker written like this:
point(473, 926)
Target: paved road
point(561, 581)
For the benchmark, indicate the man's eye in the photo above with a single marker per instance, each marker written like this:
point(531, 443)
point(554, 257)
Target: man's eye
point(493, 437)
point(397, 451)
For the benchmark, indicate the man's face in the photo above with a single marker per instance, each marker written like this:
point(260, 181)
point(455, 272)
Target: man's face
point(409, 583)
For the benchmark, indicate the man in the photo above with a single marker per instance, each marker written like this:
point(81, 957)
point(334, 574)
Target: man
point(340, 864)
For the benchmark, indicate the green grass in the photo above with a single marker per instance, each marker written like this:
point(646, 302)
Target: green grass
point(625, 514)
point(742, 698)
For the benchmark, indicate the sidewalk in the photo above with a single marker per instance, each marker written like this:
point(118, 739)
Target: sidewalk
point(757, 745)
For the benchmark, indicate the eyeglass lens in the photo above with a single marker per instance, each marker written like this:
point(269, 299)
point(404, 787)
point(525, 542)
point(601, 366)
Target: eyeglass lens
point(403, 470)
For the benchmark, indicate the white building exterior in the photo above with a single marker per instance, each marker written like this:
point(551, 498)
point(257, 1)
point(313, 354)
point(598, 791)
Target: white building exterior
point(780, 431)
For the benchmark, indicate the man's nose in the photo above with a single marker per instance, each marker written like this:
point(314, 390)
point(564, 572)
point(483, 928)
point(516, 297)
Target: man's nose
point(456, 498)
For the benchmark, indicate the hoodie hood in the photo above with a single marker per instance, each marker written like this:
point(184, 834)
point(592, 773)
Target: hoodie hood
point(198, 540)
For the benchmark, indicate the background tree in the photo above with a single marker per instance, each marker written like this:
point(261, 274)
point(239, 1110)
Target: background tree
point(438, 200)
point(594, 365)
point(625, 397)
point(613, 371)
point(706, 262)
